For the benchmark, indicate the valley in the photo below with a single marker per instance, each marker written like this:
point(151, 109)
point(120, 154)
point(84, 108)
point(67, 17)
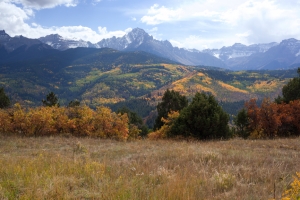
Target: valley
point(140, 69)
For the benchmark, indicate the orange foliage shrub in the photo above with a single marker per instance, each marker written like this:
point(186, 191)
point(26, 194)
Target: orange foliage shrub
point(111, 125)
point(163, 132)
point(5, 122)
point(81, 121)
point(78, 121)
point(20, 121)
point(272, 119)
point(40, 121)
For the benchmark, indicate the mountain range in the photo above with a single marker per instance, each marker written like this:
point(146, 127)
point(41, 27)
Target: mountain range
point(270, 56)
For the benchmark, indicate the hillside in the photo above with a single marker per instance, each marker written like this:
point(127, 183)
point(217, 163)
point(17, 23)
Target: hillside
point(29, 73)
point(230, 86)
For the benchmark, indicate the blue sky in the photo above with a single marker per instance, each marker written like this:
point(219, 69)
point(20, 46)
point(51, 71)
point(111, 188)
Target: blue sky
point(190, 24)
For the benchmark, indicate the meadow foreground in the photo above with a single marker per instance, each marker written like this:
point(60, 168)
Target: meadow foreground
point(86, 168)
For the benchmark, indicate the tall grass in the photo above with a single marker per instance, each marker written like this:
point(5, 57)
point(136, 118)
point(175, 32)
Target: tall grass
point(85, 168)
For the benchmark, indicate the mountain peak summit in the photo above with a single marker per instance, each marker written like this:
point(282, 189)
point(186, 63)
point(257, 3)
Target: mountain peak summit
point(3, 35)
point(137, 36)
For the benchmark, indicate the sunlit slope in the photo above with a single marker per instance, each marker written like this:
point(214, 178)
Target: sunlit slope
point(127, 82)
point(228, 86)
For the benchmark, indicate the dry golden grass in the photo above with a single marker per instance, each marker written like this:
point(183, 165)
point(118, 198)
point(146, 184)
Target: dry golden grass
point(84, 168)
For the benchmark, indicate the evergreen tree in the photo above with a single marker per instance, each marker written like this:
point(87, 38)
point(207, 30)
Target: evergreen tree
point(202, 119)
point(291, 91)
point(4, 100)
point(171, 101)
point(51, 100)
point(242, 122)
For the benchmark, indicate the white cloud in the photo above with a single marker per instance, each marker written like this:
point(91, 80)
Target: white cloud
point(108, 34)
point(13, 21)
point(264, 20)
point(13, 17)
point(40, 4)
point(227, 22)
point(95, 2)
point(71, 32)
point(196, 42)
point(154, 29)
point(158, 15)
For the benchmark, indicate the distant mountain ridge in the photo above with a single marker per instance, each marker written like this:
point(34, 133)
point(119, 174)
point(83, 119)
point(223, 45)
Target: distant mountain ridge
point(283, 55)
point(138, 39)
point(12, 43)
point(58, 42)
point(239, 50)
point(273, 55)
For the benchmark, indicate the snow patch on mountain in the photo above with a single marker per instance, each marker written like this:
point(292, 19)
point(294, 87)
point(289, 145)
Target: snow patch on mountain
point(217, 55)
point(58, 42)
point(239, 50)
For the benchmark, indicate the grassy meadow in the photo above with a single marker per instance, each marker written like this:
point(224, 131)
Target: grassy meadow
point(86, 168)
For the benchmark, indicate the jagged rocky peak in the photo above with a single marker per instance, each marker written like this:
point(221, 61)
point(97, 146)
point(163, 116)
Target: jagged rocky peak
point(52, 37)
point(292, 44)
point(133, 39)
point(137, 35)
point(263, 47)
point(167, 43)
point(2, 32)
point(138, 32)
point(4, 35)
point(290, 41)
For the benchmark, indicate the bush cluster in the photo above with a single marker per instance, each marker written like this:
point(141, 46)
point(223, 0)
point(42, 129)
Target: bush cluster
point(270, 120)
point(77, 121)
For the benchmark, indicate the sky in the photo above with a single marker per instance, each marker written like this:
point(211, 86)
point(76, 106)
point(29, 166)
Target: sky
point(191, 24)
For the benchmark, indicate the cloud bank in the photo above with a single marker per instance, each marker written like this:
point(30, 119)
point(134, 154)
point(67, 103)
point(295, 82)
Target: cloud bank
point(252, 21)
point(198, 24)
point(15, 13)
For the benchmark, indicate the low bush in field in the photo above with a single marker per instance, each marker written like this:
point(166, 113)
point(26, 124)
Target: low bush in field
point(77, 121)
point(293, 192)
